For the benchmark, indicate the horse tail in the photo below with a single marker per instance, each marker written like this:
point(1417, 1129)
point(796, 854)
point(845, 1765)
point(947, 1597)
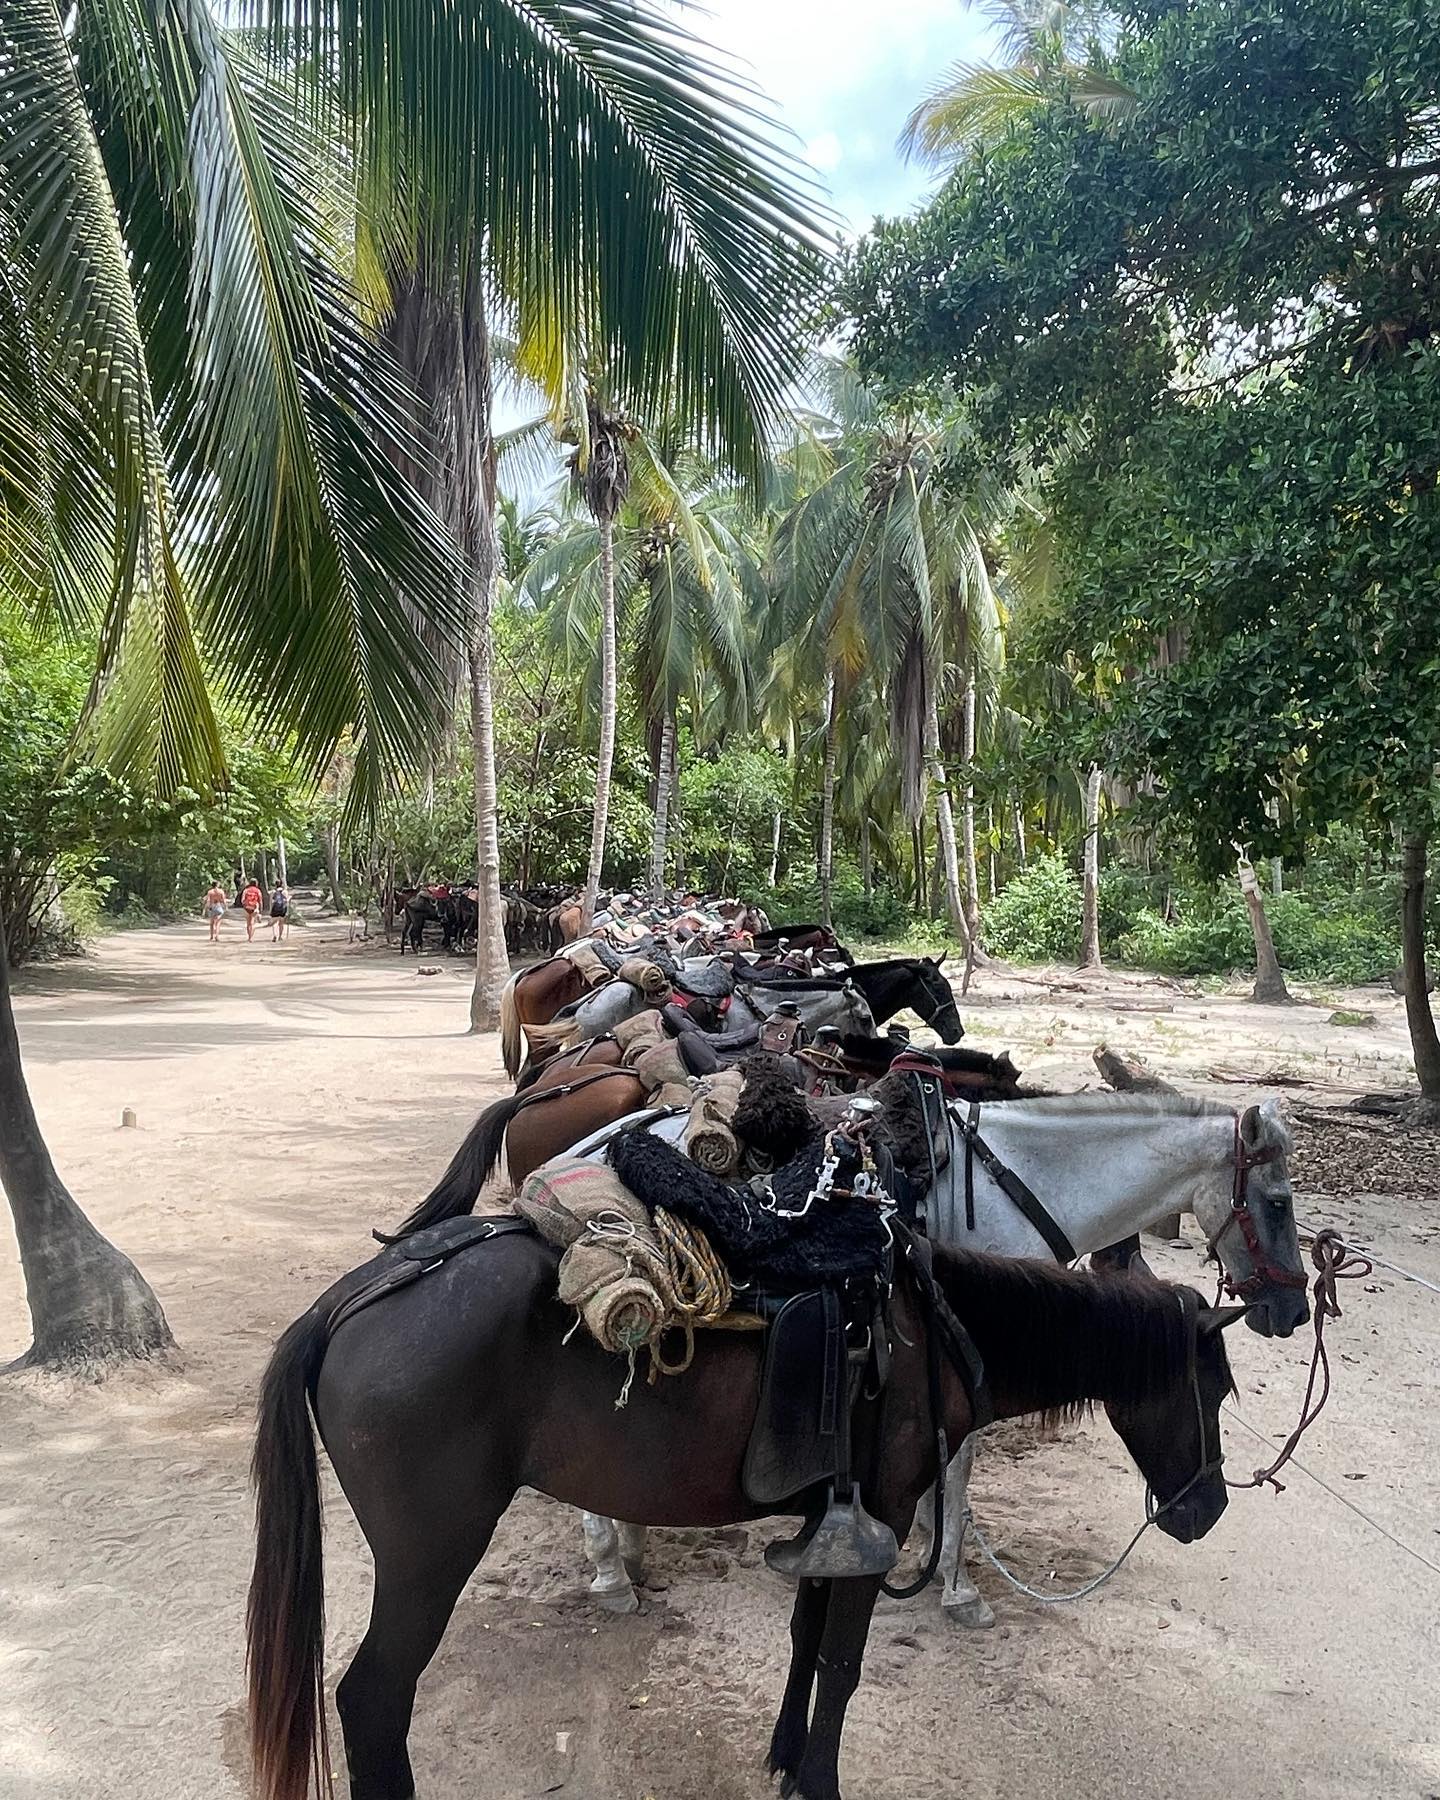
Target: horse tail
point(285, 1616)
point(510, 1027)
point(559, 1034)
point(459, 1187)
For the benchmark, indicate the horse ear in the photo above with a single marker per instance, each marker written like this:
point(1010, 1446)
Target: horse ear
point(1216, 1318)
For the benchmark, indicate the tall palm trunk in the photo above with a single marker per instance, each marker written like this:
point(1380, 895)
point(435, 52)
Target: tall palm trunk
point(330, 850)
point(867, 873)
point(972, 873)
point(776, 826)
point(605, 756)
point(944, 823)
point(1018, 814)
point(662, 805)
point(89, 1304)
point(1423, 1039)
point(1090, 931)
point(1270, 988)
point(825, 860)
point(440, 334)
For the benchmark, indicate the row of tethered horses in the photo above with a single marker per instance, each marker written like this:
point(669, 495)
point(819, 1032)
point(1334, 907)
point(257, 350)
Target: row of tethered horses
point(442, 1383)
point(445, 914)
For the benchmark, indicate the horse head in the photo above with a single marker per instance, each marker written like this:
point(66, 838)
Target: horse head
point(939, 1011)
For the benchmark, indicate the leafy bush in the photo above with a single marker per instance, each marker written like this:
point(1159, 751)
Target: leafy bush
point(1125, 893)
point(1314, 942)
point(882, 915)
point(1036, 916)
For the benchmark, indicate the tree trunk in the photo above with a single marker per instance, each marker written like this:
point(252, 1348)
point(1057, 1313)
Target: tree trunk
point(826, 858)
point(1090, 931)
point(280, 858)
point(1270, 988)
point(676, 843)
point(776, 825)
point(990, 848)
point(972, 872)
point(605, 757)
point(1277, 876)
point(917, 845)
point(944, 821)
point(867, 873)
point(1423, 1040)
point(330, 850)
point(89, 1304)
point(662, 806)
point(1018, 815)
point(473, 512)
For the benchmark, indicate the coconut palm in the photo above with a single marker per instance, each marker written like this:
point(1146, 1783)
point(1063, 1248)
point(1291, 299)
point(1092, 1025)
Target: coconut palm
point(592, 179)
point(198, 444)
point(676, 579)
point(1053, 49)
point(878, 569)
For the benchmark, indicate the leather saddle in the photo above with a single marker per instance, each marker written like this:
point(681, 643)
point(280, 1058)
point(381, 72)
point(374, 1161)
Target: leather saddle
point(811, 1380)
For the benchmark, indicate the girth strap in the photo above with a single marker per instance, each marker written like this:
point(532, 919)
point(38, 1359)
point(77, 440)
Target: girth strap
point(1011, 1186)
point(417, 1255)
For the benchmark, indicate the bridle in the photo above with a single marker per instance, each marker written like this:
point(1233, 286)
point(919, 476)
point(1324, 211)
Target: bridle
point(1214, 1465)
point(1264, 1271)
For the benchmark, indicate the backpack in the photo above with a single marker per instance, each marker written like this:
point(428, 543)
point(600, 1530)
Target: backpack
point(279, 906)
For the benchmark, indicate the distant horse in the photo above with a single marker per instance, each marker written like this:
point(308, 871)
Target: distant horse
point(421, 909)
point(801, 937)
point(429, 1456)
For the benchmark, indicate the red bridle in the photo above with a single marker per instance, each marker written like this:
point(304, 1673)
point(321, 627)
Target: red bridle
point(1264, 1272)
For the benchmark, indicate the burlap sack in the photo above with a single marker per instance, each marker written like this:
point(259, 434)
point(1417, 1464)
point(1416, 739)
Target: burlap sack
point(709, 1140)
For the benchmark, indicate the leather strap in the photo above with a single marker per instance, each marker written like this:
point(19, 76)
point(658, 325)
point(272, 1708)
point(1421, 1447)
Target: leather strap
point(1013, 1188)
point(417, 1255)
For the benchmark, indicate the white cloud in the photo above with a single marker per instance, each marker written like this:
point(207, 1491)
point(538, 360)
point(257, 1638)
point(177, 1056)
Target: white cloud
point(844, 75)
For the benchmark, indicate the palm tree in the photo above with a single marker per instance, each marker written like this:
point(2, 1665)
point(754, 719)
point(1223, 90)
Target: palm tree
point(676, 578)
point(1055, 49)
point(593, 179)
point(878, 569)
point(196, 462)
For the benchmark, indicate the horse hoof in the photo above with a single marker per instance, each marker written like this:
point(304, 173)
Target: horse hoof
point(622, 1600)
point(970, 1615)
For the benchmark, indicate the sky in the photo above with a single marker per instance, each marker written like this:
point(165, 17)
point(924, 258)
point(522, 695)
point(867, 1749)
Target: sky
point(844, 75)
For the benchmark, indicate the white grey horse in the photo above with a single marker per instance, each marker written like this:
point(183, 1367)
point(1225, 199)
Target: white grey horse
point(1104, 1166)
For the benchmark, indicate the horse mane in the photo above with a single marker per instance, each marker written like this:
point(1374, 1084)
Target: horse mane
point(1058, 1340)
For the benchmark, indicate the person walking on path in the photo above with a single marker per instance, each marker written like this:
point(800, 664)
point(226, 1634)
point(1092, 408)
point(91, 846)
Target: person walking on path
point(215, 909)
point(279, 912)
point(250, 901)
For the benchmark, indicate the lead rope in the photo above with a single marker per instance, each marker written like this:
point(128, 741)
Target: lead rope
point(1334, 1261)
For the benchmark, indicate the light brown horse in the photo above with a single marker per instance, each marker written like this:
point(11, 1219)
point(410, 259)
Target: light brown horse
point(534, 997)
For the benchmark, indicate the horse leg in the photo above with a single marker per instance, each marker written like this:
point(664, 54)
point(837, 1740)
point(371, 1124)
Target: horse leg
point(961, 1599)
point(418, 1579)
point(611, 1586)
point(633, 1539)
point(837, 1667)
point(792, 1726)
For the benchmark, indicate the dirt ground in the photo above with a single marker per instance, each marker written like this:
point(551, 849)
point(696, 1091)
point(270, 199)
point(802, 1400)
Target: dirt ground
point(290, 1098)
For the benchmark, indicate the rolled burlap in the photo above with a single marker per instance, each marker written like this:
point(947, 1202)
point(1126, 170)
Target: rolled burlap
point(660, 1065)
point(709, 1140)
point(649, 980)
point(645, 1027)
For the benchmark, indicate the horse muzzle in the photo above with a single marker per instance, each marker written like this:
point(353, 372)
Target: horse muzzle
point(1196, 1513)
point(1278, 1311)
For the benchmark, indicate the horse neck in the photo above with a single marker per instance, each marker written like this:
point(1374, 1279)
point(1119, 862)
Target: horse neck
point(1104, 1168)
point(1054, 1341)
point(886, 987)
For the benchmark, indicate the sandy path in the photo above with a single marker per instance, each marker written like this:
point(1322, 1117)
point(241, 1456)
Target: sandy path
point(289, 1099)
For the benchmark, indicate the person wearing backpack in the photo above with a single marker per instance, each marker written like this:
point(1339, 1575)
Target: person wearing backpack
point(279, 912)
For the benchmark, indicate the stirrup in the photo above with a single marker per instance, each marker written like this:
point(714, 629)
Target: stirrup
point(837, 1544)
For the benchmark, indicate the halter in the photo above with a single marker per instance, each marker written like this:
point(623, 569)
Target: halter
point(1264, 1272)
point(1154, 1508)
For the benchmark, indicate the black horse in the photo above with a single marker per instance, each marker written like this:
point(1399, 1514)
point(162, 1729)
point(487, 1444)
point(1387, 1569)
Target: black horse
point(440, 1401)
point(917, 982)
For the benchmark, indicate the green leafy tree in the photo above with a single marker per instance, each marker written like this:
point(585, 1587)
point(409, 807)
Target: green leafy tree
point(1231, 294)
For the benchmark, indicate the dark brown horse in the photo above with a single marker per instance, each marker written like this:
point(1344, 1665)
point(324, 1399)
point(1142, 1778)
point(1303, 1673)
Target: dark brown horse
point(443, 1399)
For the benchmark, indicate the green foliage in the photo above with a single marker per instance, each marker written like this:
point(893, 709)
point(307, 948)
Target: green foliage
point(1313, 941)
point(1036, 916)
point(728, 802)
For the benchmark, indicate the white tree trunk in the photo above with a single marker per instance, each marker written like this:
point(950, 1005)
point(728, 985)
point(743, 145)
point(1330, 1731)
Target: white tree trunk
point(776, 824)
point(1018, 813)
point(280, 857)
point(605, 757)
point(972, 873)
point(945, 826)
point(662, 806)
point(1090, 933)
point(826, 858)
